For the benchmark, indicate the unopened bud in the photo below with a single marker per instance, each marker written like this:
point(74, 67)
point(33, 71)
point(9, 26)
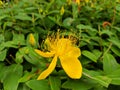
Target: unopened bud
point(32, 40)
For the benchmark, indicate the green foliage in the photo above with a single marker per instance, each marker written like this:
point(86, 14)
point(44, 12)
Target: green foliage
point(55, 83)
point(95, 25)
point(37, 85)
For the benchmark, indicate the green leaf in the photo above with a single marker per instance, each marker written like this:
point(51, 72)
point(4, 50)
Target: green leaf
point(68, 21)
point(19, 57)
point(103, 80)
point(115, 76)
point(2, 71)
point(48, 22)
point(30, 55)
point(77, 85)
point(117, 28)
point(10, 44)
point(30, 8)
point(11, 82)
point(26, 77)
point(2, 39)
point(95, 75)
point(107, 32)
point(54, 83)
point(49, 5)
point(116, 50)
point(23, 86)
point(81, 26)
point(18, 39)
point(99, 87)
point(14, 72)
point(38, 84)
point(8, 24)
point(3, 55)
point(8, 35)
point(109, 63)
point(90, 55)
point(115, 41)
point(118, 7)
point(75, 12)
point(23, 16)
point(2, 46)
point(3, 17)
point(97, 53)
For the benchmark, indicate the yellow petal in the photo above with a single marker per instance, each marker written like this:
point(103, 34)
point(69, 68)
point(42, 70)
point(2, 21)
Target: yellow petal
point(71, 66)
point(73, 51)
point(62, 46)
point(51, 67)
point(44, 54)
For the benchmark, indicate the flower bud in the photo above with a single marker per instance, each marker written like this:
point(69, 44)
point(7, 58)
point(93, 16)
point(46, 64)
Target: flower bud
point(32, 39)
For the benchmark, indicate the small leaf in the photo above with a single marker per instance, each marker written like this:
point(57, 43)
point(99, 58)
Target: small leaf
point(115, 42)
point(26, 77)
point(2, 71)
point(118, 7)
point(38, 84)
point(68, 21)
point(95, 75)
point(115, 76)
point(2, 39)
point(109, 63)
point(12, 76)
point(116, 50)
point(107, 32)
point(77, 85)
point(3, 17)
point(19, 57)
point(30, 55)
point(55, 83)
point(97, 53)
point(3, 55)
point(103, 80)
point(2, 46)
point(23, 86)
point(11, 82)
point(88, 29)
point(8, 35)
point(10, 44)
point(90, 55)
point(18, 39)
point(81, 26)
point(23, 16)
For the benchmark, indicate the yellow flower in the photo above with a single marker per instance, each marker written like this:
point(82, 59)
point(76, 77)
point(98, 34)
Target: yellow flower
point(62, 10)
point(67, 52)
point(32, 39)
point(86, 1)
point(92, 5)
point(69, 2)
point(1, 3)
point(77, 1)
